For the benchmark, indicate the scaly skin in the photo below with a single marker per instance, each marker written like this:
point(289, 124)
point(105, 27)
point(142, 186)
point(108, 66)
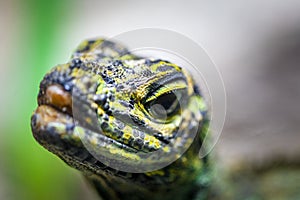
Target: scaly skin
point(102, 113)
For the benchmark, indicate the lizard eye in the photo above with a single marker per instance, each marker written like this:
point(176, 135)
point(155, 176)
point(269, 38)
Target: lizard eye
point(165, 105)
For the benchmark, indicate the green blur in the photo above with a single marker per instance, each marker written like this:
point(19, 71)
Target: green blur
point(30, 172)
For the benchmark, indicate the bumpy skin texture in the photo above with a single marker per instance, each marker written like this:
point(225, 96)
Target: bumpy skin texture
point(107, 110)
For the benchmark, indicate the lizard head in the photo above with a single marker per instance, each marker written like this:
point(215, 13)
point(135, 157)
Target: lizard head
point(109, 109)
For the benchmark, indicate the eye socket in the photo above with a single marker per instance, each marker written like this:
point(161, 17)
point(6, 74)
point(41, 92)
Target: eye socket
point(165, 105)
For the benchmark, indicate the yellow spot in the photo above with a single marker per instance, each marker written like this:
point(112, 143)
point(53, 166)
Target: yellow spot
point(166, 149)
point(100, 111)
point(94, 105)
point(151, 142)
point(94, 141)
point(147, 138)
point(130, 156)
point(127, 57)
point(153, 173)
point(157, 144)
point(126, 136)
point(88, 120)
point(124, 154)
point(114, 151)
point(127, 133)
point(78, 134)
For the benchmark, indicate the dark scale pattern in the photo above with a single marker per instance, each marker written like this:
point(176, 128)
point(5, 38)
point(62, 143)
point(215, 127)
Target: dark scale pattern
point(100, 99)
point(137, 121)
point(108, 79)
point(75, 63)
point(117, 63)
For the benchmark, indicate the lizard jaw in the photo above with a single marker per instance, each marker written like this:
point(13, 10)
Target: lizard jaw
point(54, 127)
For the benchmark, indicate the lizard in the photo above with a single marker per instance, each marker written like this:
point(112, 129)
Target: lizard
point(133, 125)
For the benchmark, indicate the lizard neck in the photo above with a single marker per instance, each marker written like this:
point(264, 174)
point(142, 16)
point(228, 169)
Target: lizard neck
point(186, 178)
point(114, 190)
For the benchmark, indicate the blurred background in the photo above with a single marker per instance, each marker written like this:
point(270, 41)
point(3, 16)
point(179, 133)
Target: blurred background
point(255, 44)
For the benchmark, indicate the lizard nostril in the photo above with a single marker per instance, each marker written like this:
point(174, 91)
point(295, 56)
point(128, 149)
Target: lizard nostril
point(58, 97)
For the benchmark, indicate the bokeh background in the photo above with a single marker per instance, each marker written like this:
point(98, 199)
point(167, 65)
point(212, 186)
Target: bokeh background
point(255, 44)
